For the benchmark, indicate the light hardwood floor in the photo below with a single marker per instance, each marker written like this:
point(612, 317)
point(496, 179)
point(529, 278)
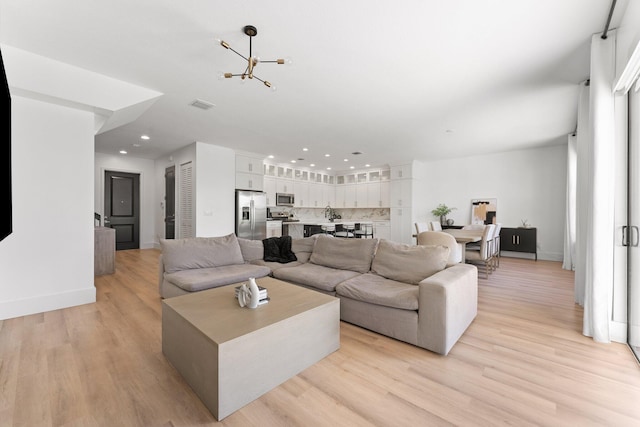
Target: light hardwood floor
point(522, 362)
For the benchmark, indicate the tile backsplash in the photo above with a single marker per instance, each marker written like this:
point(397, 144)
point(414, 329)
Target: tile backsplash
point(373, 214)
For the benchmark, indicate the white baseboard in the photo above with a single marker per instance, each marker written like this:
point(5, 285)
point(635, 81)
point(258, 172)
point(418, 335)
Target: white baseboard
point(546, 256)
point(42, 303)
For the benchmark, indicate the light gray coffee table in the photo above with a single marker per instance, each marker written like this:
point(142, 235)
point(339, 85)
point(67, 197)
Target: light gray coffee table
point(230, 355)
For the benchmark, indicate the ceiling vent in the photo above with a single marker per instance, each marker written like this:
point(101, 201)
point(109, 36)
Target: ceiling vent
point(202, 104)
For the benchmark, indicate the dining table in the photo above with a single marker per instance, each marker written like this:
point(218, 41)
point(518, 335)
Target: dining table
point(464, 236)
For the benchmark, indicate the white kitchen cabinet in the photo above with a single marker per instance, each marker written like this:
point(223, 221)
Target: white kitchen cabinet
point(274, 228)
point(253, 165)
point(284, 186)
point(402, 226)
point(249, 172)
point(301, 192)
point(385, 190)
point(249, 181)
point(340, 197)
point(400, 193)
point(350, 196)
point(316, 195)
point(269, 187)
point(382, 230)
point(401, 171)
point(329, 192)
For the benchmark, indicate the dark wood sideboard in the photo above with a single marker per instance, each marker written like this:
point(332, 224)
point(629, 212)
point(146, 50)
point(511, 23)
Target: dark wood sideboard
point(519, 240)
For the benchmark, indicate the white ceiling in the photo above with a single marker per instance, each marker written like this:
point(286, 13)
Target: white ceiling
point(409, 79)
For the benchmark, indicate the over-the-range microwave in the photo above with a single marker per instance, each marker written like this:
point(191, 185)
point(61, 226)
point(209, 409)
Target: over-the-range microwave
point(284, 199)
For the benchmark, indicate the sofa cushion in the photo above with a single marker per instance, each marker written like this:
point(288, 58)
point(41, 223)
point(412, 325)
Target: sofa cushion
point(200, 252)
point(375, 289)
point(408, 263)
point(199, 279)
point(315, 276)
point(252, 250)
point(303, 247)
point(272, 265)
point(344, 254)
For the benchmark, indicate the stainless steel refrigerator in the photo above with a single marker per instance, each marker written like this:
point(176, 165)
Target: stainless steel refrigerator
point(251, 214)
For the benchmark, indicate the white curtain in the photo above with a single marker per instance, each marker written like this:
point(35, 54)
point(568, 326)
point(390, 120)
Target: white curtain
point(570, 205)
point(583, 165)
point(596, 208)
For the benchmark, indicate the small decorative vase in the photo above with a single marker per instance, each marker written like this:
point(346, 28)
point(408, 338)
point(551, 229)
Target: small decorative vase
point(443, 220)
point(255, 293)
point(449, 222)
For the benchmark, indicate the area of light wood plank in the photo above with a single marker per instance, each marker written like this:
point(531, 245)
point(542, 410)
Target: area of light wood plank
point(522, 362)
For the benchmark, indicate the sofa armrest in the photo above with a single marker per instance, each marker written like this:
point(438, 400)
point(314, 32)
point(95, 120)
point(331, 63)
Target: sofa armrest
point(448, 303)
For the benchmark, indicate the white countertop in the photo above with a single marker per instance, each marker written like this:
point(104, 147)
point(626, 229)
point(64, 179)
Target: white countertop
point(327, 222)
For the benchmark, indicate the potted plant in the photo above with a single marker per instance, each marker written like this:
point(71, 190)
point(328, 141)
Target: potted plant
point(442, 211)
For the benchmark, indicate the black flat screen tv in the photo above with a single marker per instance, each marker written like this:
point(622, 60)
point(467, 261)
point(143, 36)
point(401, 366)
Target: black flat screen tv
point(6, 214)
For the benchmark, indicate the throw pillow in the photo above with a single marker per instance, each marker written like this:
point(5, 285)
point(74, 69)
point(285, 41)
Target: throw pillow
point(408, 263)
point(344, 254)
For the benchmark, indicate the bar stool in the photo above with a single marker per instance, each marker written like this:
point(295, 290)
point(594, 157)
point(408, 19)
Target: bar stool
point(345, 231)
point(364, 231)
point(328, 229)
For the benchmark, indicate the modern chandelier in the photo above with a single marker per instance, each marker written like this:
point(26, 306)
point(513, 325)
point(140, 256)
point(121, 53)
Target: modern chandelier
point(252, 61)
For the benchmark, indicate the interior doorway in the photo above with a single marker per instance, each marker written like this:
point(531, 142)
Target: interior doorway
point(170, 203)
point(122, 207)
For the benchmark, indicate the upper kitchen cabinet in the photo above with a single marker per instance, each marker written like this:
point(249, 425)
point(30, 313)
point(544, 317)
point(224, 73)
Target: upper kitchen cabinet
point(249, 172)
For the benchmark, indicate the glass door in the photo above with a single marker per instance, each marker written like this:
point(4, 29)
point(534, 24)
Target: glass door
point(633, 222)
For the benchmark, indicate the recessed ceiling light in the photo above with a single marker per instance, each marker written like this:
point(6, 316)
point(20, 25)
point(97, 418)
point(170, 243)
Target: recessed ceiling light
point(367, 165)
point(329, 168)
point(293, 161)
point(346, 160)
point(271, 156)
point(312, 165)
point(352, 167)
point(123, 152)
point(305, 149)
point(145, 137)
point(327, 155)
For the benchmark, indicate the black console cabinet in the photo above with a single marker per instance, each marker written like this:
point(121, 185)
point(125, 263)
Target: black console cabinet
point(519, 240)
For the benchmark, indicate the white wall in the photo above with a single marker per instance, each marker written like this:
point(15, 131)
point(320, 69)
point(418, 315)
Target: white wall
point(529, 184)
point(215, 190)
point(146, 169)
point(47, 262)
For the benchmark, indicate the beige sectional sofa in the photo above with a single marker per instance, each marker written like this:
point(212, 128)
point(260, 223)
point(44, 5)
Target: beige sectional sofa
point(406, 292)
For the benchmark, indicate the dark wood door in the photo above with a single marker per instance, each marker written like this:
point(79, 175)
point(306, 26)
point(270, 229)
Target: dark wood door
point(170, 203)
point(122, 208)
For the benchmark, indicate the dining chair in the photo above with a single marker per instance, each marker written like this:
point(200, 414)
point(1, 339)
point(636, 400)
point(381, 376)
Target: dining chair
point(483, 255)
point(496, 246)
point(435, 226)
point(442, 238)
point(421, 226)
